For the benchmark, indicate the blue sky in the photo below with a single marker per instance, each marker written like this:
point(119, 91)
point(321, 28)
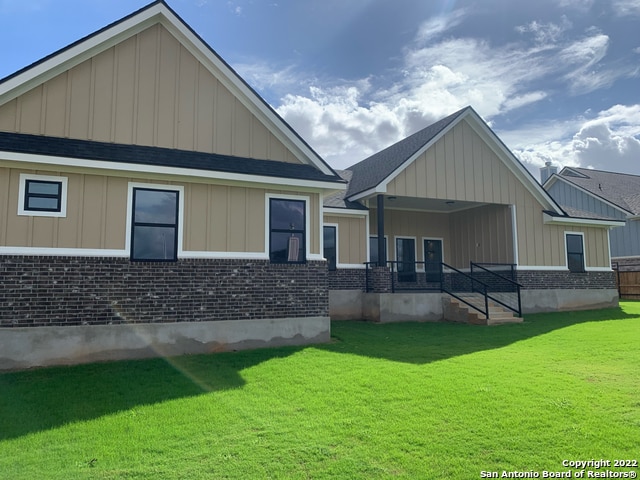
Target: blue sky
point(557, 80)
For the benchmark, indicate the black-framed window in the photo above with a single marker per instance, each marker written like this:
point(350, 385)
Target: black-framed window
point(330, 246)
point(575, 252)
point(373, 249)
point(154, 229)
point(287, 231)
point(42, 196)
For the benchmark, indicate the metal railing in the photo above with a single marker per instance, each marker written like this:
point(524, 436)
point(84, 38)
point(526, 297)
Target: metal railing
point(493, 281)
point(502, 289)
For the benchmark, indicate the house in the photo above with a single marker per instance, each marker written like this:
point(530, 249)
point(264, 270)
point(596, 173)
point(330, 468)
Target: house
point(152, 203)
point(602, 194)
point(453, 193)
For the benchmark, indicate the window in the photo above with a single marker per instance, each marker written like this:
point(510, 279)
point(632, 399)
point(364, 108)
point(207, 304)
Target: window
point(373, 249)
point(330, 248)
point(42, 195)
point(154, 232)
point(287, 230)
point(575, 252)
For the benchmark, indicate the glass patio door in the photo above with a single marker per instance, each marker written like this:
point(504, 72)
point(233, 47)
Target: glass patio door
point(406, 257)
point(433, 260)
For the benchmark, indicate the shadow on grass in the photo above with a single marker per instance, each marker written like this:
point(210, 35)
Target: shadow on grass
point(37, 400)
point(421, 343)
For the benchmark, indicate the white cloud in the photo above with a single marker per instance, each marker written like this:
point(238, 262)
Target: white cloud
point(626, 8)
point(608, 141)
point(436, 26)
point(545, 32)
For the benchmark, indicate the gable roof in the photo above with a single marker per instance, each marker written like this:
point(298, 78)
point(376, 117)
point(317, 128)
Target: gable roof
point(158, 12)
point(620, 190)
point(371, 171)
point(372, 174)
point(338, 200)
point(66, 151)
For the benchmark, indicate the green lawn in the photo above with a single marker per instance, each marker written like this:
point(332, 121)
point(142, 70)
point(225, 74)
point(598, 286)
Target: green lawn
point(415, 401)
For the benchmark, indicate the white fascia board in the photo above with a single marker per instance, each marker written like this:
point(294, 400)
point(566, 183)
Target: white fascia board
point(155, 169)
point(511, 161)
point(587, 192)
point(245, 94)
point(345, 212)
point(122, 30)
point(369, 193)
point(548, 219)
point(77, 54)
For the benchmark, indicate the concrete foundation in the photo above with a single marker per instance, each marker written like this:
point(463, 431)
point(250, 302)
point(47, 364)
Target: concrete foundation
point(402, 307)
point(558, 300)
point(345, 304)
point(44, 346)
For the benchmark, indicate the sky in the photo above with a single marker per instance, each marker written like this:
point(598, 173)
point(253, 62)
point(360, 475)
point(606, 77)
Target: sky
point(556, 80)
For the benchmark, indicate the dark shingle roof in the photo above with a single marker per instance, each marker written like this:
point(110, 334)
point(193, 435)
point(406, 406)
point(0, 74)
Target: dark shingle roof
point(620, 189)
point(577, 213)
point(157, 156)
point(337, 199)
point(370, 172)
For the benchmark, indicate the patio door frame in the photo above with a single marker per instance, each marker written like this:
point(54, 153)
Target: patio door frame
point(432, 267)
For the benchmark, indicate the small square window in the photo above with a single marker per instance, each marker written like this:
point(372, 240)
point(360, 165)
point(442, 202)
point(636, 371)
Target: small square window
point(42, 195)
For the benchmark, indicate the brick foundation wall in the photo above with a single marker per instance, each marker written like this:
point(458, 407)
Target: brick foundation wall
point(346, 279)
point(533, 279)
point(58, 291)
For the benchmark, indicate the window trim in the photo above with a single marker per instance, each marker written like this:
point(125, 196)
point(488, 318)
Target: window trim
point(584, 251)
point(22, 195)
point(307, 225)
point(130, 218)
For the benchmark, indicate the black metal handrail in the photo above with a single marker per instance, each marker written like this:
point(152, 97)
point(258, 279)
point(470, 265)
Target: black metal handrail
point(474, 281)
point(515, 285)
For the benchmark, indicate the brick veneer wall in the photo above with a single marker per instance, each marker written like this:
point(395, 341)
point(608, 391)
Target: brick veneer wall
point(533, 279)
point(347, 279)
point(57, 291)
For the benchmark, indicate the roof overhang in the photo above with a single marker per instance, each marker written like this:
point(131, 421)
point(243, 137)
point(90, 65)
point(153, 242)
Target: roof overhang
point(573, 221)
point(351, 212)
point(30, 160)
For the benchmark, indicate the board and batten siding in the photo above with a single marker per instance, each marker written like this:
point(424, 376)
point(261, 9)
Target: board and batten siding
point(461, 166)
point(407, 223)
point(352, 238)
point(147, 90)
point(625, 241)
point(217, 218)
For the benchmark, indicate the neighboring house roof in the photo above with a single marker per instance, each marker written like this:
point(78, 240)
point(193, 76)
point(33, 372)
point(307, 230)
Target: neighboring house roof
point(158, 11)
point(337, 200)
point(621, 190)
point(371, 171)
point(157, 157)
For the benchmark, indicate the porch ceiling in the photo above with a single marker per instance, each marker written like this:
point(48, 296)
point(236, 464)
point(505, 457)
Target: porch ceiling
point(428, 204)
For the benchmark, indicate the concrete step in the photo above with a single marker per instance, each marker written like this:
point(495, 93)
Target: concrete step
point(458, 311)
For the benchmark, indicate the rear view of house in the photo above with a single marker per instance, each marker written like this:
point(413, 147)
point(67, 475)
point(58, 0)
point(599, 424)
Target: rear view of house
point(450, 202)
point(152, 203)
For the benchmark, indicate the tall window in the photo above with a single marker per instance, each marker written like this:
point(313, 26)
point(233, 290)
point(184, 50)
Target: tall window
point(373, 249)
point(154, 233)
point(575, 252)
point(330, 248)
point(287, 231)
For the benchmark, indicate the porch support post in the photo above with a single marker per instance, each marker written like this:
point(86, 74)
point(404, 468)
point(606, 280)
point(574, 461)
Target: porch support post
point(382, 254)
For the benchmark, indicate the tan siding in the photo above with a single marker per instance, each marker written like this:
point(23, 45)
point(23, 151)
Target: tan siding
point(147, 90)
point(352, 238)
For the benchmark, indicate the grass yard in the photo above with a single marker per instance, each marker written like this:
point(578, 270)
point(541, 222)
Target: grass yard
point(415, 401)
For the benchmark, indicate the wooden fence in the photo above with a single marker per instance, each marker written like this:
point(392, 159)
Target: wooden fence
point(628, 280)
